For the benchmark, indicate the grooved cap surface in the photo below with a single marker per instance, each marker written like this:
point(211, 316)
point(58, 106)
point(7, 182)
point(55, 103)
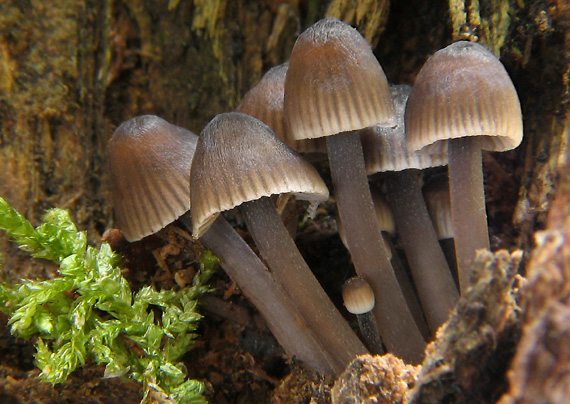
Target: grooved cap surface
point(463, 90)
point(334, 83)
point(385, 149)
point(265, 102)
point(239, 159)
point(358, 296)
point(149, 161)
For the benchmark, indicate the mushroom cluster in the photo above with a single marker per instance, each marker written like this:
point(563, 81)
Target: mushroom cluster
point(333, 97)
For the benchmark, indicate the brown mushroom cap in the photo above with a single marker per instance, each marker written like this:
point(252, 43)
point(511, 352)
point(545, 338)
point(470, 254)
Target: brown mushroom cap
point(149, 161)
point(265, 102)
point(238, 159)
point(436, 194)
point(385, 148)
point(358, 296)
point(463, 90)
point(334, 83)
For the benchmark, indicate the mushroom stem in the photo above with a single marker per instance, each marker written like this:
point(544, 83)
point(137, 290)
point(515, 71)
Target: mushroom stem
point(258, 285)
point(367, 249)
point(370, 334)
point(469, 216)
point(408, 289)
point(432, 277)
point(291, 271)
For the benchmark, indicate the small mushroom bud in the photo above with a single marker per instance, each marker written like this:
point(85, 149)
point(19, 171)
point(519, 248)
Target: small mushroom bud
point(359, 300)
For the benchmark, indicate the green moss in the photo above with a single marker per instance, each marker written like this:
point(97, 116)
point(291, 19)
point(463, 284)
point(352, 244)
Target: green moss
point(90, 314)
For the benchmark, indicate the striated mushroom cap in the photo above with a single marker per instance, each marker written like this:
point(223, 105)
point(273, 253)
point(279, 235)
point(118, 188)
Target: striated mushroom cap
point(334, 83)
point(385, 149)
point(463, 90)
point(239, 159)
point(358, 296)
point(265, 102)
point(149, 162)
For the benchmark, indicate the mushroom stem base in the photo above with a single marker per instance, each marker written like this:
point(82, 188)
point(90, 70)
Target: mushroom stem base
point(257, 284)
point(291, 271)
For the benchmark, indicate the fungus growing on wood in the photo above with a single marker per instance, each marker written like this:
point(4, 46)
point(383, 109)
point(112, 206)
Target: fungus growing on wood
point(239, 161)
point(464, 100)
point(150, 163)
point(386, 152)
point(335, 87)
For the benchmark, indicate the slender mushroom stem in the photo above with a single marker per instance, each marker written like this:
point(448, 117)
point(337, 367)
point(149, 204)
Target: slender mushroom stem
point(468, 210)
point(408, 289)
point(290, 269)
point(369, 330)
point(432, 277)
point(258, 285)
point(367, 249)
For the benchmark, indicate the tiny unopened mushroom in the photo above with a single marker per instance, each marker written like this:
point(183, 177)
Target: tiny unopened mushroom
point(464, 100)
point(359, 300)
point(335, 87)
point(239, 161)
point(150, 161)
point(386, 152)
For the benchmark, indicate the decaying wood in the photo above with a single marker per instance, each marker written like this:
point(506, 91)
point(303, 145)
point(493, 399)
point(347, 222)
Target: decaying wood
point(539, 372)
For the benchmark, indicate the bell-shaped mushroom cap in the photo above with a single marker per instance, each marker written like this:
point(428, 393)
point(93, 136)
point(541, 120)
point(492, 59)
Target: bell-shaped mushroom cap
point(385, 149)
point(265, 102)
point(334, 83)
point(239, 159)
point(358, 296)
point(149, 161)
point(436, 194)
point(463, 90)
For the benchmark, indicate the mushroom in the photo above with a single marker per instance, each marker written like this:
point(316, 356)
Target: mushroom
point(359, 300)
point(265, 102)
point(464, 100)
point(335, 87)
point(150, 161)
point(386, 152)
point(239, 161)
